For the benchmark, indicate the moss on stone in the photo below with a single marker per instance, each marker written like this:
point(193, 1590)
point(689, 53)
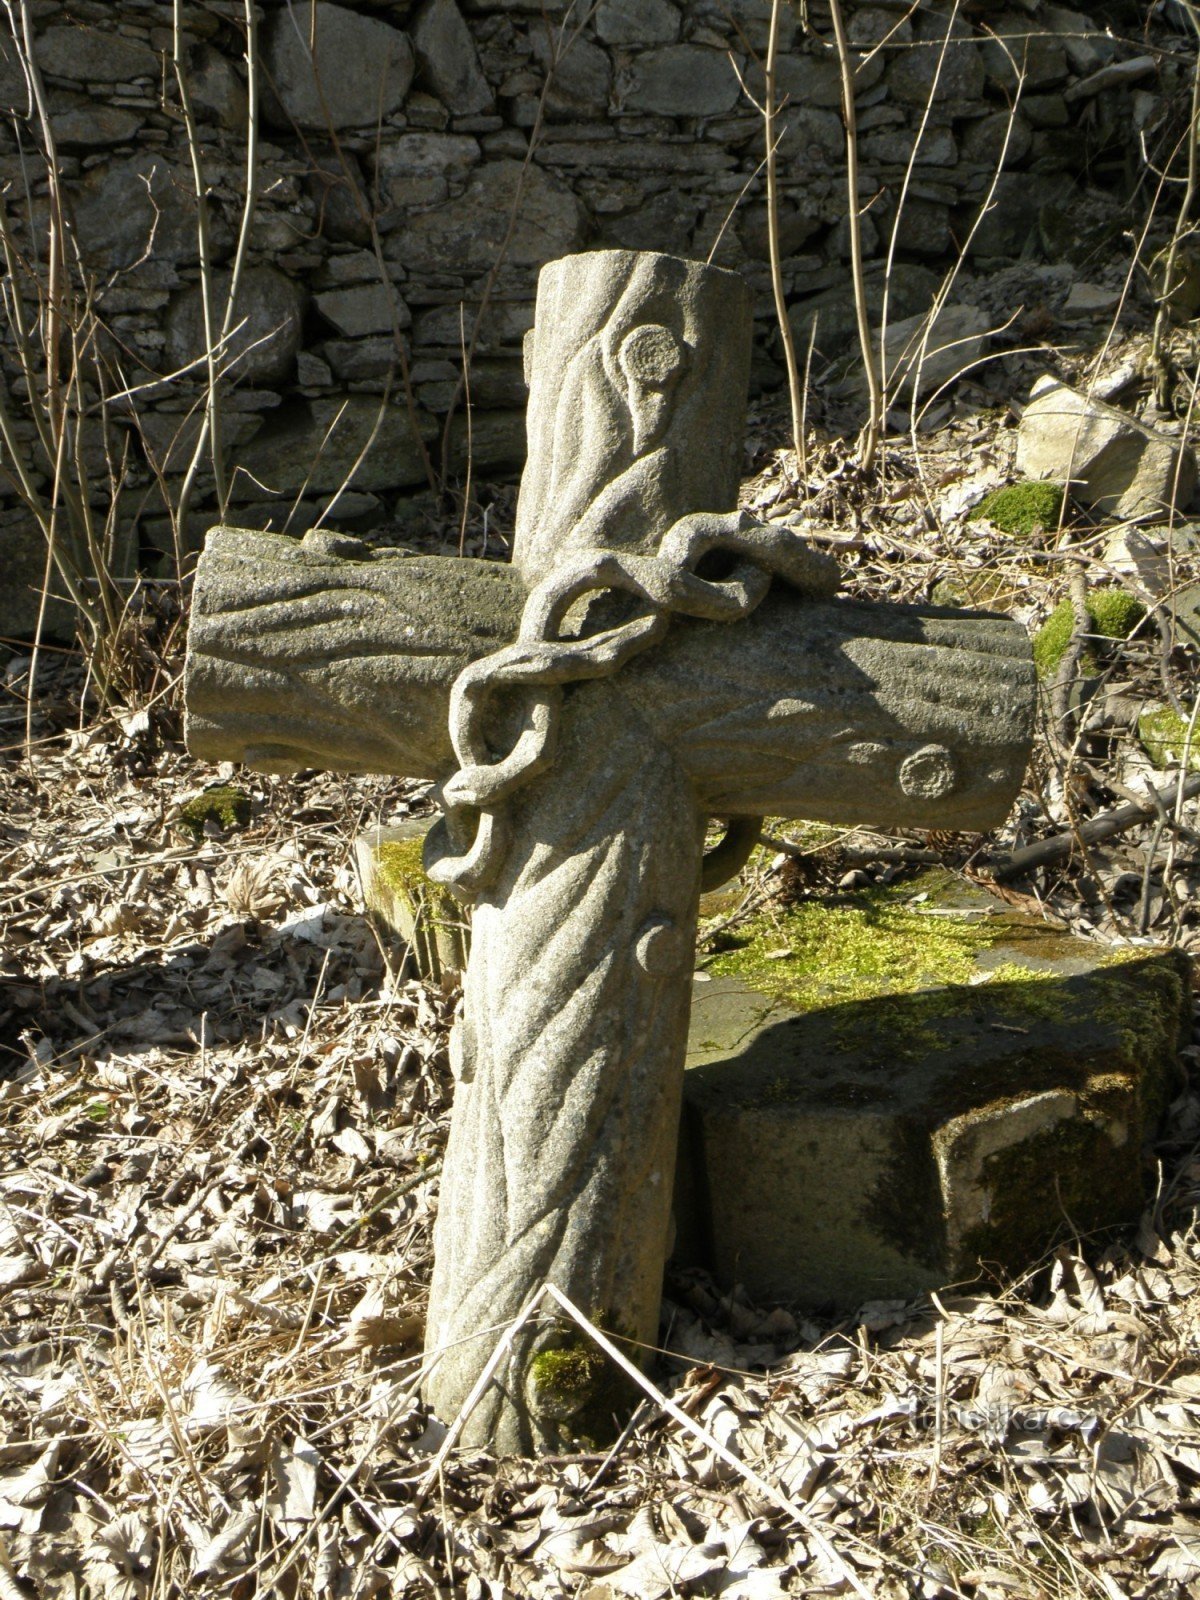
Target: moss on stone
point(920, 971)
point(574, 1385)
point(1024, 507)
point(400, 866)
point(1164, 736)
point(849, 949)
point(1114, 614)
point(404, 900)
point(223, 803)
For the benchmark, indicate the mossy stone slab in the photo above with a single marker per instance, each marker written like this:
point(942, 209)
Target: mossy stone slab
point(927, 1086)
point(405, 903)
point(856, 1135)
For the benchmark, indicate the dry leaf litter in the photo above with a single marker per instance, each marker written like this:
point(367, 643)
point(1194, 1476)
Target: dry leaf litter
point(222, 1108)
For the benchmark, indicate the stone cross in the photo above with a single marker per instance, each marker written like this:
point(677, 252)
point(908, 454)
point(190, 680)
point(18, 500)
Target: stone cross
point(650, 659)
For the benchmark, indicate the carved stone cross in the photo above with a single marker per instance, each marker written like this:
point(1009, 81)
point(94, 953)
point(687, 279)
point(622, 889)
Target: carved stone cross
point(651, 658)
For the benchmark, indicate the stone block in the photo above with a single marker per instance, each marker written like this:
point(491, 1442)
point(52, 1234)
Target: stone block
point(125, 210)
point(494, 442)
point(88, 55)
point(471, 230)
point(921, 357)
point(901, 1101)
point(951, 76)
point(580, 74)
point(1002, 136)
point(1153, 555)
point(1020, 48)
point(317, 444)
point(359, 72)
point(335, 184)
point(1088, 45)
point(419, 169)
point(267, 323)
point(744, 19)
point(362, 308)
point(681, 80)
point(78, 121)
point(638, 21)
point(447, 59)
point(1113, 461)
point(403, 902)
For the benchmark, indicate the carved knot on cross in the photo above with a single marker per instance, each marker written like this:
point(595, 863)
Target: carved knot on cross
point(464, 849)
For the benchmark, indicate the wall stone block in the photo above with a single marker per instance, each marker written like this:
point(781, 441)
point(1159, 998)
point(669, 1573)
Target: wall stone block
point(420, 169)
point(314, 445)
point(360, 71)
point(89, 55)
point(363, 308)
point(638, 21)
point(681, 80)
point(267, 320)
point(960, 80)
point(447, 59)
point(144, 205)
point(469, 231)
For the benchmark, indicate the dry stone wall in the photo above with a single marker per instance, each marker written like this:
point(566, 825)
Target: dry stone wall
point(417, 168)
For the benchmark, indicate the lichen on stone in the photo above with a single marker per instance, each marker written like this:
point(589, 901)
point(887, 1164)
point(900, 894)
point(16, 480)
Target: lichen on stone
point(223, 804)
point(1114, 614)
point(1164, 736)
point(1024, 508)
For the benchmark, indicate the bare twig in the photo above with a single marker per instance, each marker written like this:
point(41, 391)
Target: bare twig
point(868, 443)
point(1060, 845)
point(781, 309)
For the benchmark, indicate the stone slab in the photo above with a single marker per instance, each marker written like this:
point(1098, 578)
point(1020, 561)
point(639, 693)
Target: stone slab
point(403, 902)
point(1113, 461)
point(850, 1136)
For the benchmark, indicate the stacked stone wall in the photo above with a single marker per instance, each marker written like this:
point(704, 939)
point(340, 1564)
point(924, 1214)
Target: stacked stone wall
point(457, 145)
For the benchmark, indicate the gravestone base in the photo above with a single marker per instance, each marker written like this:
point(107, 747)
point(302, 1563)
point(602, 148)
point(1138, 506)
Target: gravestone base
point(839, 1151)
point(874, 1146)
point(413, 915)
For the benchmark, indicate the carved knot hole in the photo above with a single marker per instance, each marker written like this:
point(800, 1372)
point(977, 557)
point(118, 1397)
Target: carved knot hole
point(660, 947)
point(928, 773)
point(652, 357)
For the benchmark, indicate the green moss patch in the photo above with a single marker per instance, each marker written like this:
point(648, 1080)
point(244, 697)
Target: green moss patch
point(223, 804)
point(1026, 508)
point(1164, 736)
point(1114, 614)
point(400, 866)
point(820, 951)
point(575, 1385)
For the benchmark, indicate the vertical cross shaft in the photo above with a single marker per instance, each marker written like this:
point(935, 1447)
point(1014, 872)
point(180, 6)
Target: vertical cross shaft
point(570, 1049)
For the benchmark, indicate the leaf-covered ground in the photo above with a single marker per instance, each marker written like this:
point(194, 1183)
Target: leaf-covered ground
point(222, 1108)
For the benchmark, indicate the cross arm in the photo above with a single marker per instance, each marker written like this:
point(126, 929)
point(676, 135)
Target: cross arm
point(324, 653)
point(321, 652)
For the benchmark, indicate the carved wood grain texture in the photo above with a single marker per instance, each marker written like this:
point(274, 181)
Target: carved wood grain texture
point(562, 1149)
